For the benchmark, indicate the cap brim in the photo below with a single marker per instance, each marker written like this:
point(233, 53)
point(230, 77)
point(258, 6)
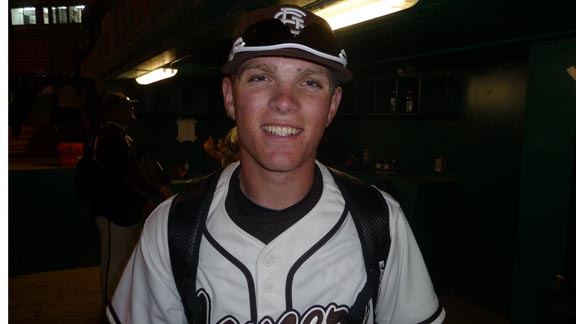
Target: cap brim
point(341, 73)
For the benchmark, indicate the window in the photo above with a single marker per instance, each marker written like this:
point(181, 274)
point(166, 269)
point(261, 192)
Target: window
point(23, 16)
point(75, 13)
point(46, 15)
point(60, 15)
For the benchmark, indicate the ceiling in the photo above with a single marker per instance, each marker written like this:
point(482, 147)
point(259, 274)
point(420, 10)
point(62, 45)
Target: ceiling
point(432, 32)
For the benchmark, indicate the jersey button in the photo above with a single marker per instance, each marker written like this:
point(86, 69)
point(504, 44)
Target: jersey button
point(268, 261)
point(269, 286)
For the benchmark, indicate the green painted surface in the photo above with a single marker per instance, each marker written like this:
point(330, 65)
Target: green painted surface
point(547, 166)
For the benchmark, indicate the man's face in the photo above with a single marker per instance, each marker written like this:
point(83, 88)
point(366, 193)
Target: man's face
point(123, 114)
point(281, 107)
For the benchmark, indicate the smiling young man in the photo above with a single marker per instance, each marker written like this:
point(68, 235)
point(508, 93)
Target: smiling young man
point(281, 106)
point(278, 241)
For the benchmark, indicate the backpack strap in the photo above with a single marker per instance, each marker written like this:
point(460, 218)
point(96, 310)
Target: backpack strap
point(186, 223)
point(370, 213)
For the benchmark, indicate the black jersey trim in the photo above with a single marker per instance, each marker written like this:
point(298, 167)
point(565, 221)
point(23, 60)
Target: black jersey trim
point(308, 254)
point(433, 317)
point(114, 315)
point(242, 268)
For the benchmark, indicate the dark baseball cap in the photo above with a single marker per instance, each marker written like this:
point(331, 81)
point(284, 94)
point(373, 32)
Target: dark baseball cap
point(289, 31)
point(116, 99)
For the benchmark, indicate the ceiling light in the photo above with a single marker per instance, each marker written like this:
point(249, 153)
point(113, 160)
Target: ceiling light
point(156, 75)
point(349, 12)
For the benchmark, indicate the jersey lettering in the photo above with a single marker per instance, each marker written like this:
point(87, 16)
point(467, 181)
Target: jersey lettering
point(331, 314)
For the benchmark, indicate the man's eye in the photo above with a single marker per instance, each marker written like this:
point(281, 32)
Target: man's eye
point(257, 78)
point(312, 83)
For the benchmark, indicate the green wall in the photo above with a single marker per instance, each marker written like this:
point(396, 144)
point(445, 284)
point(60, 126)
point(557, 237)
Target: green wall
point(485, 148)
point(547, 173)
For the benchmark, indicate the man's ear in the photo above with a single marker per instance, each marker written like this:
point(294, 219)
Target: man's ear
point(227, 93)
point(334, 103)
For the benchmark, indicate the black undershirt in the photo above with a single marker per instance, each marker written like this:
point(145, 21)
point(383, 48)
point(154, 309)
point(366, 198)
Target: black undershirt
point(263, 223)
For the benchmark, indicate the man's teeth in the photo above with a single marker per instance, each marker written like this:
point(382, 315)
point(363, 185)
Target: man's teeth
point(281, 130)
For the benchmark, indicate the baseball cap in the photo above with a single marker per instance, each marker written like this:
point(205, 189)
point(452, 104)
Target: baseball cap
point(290, 31)
point(115, 99)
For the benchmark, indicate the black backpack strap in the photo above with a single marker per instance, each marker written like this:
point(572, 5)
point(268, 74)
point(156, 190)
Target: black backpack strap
point(370, 213)
point(186, 223)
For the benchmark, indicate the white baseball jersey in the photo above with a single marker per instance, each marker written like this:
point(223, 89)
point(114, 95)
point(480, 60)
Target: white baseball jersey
point(310, 273)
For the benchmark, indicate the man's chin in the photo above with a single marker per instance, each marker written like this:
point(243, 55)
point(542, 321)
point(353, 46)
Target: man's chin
point(285, 165)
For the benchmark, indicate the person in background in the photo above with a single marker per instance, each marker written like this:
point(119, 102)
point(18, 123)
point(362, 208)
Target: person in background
point(124, 195)
point(228, 149)
point(279, 244)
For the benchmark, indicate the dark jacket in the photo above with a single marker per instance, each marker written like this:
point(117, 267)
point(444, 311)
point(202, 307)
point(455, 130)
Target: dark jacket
point(123, 188)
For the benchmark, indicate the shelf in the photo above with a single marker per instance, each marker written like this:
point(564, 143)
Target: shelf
point(388, 97)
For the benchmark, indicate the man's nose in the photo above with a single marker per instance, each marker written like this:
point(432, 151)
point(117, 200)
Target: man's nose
point(284, 99)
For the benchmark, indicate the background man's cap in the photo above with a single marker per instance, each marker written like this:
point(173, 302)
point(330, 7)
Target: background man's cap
point(115, 99)
point(289, 31)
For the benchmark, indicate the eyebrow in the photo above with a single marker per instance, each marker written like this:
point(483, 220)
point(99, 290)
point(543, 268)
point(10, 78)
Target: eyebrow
point(256, 66)
point(312, 71)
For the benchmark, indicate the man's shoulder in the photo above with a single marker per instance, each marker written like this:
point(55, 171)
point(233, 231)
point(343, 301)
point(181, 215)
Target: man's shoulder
point(346, 181)
point(110, 130)
point(343, 178)
point(198, 188)
point(157, 222)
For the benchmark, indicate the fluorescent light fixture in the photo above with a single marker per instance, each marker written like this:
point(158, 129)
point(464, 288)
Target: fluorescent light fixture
point(349, 12)
point(156, 75)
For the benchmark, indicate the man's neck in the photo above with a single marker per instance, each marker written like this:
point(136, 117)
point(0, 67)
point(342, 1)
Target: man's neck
point(122, 127)
point(276, 190)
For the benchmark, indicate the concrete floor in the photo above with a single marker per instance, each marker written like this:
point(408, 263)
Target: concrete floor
point(72, 296)
point(68, 296)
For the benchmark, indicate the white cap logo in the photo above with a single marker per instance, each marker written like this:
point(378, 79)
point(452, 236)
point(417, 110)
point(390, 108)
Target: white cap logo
point(293, 18)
